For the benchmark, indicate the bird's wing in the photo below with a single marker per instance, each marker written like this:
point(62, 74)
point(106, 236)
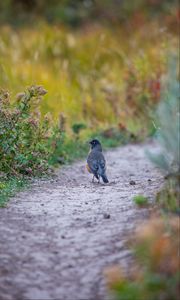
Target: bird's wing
point(102, 165)
point(96, 162)
point(93, 164)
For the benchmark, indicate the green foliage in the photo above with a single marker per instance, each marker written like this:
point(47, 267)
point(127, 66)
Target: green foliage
point(9, 187)
point(155, 275)
point(140, 200)
point(114, 136)
point(168, 139)
point(93, 75)
point(77, 127)
point(67, 150)
point(24, 137)
point(74, 149)
point(168, 122)
point(169, 197)
point(75, 12)
point(128, 291)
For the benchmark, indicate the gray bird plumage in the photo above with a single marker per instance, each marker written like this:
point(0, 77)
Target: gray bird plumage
point(96, 161)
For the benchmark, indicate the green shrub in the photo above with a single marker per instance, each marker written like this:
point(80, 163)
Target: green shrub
point(168, 138)
point(24, 136)
point(155, 275)
point(140, 200)
point(77, 127)
point(168, 198)
point(168, 121)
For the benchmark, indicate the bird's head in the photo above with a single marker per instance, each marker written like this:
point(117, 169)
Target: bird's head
point(95, 144)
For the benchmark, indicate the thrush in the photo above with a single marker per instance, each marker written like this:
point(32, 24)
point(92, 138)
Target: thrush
point(96, 163)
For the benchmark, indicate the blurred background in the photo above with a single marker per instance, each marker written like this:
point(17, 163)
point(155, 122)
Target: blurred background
point(74, 70)
point(100, 61)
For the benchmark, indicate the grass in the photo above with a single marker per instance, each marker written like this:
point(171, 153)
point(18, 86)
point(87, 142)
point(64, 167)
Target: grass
point(9, 187)
point(140, 200)
point(90, 76)
point(169, 197)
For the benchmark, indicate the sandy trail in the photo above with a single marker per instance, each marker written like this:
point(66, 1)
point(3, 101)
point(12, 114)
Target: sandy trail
point(57, 238)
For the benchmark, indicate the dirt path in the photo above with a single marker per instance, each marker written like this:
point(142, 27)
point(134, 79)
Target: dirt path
point(56, 239)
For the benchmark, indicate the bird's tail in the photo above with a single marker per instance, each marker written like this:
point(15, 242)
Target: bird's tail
point(104, 178)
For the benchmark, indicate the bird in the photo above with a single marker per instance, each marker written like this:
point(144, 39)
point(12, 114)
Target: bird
point(96, 163)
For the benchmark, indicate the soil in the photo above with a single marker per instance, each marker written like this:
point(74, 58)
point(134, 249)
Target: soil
point(57, 238)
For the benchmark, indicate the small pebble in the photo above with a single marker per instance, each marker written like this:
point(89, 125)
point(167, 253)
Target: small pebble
point(69, 266)
point(132, 182)
point(106, 216)
point(88, 224)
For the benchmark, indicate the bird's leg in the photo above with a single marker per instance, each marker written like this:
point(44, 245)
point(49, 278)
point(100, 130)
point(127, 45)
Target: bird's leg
point(99, 179)
point(93, 179)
